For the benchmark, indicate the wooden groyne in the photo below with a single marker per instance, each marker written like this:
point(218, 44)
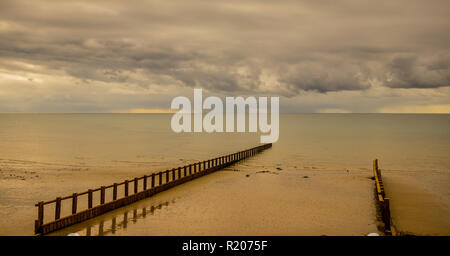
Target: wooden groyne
point(150, 185)
point(382, 200)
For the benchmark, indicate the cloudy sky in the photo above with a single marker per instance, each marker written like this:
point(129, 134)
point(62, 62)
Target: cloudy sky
point(135, 56)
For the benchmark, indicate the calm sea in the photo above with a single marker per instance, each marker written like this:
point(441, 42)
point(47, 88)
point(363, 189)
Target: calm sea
point(409, 142)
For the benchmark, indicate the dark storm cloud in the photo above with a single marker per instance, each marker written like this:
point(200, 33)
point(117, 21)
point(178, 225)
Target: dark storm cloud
point(239, 46)
point(412, 72)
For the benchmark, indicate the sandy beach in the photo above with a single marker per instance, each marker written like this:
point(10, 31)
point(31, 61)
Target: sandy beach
point(419, 206)
point(237, 201)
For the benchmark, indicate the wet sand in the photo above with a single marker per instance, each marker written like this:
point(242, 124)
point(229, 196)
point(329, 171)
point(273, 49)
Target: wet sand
point(250, 198)
point(23, 185)
point(420, 202)
point(237, 201)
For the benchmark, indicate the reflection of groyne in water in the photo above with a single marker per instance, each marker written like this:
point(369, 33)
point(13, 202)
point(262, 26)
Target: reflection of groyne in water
point(382, 200)
point(159, 182)
point(128, 216)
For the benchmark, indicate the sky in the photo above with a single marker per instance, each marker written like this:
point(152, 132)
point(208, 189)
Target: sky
point(135, 56)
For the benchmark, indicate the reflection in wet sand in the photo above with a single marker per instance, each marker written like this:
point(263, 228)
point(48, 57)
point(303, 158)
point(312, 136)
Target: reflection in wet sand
point(109, 226)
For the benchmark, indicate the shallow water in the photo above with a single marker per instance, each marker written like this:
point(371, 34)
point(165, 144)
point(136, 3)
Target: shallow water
point(43, 156)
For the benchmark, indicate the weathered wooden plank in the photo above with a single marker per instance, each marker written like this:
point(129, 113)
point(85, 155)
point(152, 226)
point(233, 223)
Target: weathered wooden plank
point(58, 208)
point(115, 191)
point(102, 195)
point(74, 203)
point(90, 198)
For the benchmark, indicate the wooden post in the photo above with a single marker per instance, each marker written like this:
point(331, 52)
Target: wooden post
point(40, 220)
point(179, 172)
point(185, 171)
point(90, 198)
point(204, 165)
point(102, 195)
point(195, 167)
point(375, 167)
point(58, 208)
point(190, 169)
point(136, 185)
point(209, 163)
point(74, 203)
point(115, 191)
point(153, 180)
point(160, 178)
point(145, 182)
point(173, 174)
point(167, 176)
point(126, 188)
